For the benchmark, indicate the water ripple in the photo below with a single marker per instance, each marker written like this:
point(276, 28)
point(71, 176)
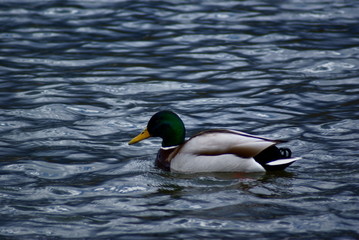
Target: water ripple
point(80, 78)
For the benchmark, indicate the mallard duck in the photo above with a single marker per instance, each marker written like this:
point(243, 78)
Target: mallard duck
point(212, 150)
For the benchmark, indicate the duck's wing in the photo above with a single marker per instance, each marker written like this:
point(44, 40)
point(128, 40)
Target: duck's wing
point(217, 142)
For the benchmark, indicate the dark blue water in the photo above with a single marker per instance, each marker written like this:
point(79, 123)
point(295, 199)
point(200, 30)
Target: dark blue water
point(79, 79)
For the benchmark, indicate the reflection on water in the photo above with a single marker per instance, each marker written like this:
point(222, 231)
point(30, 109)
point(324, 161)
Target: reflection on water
point(79, 78)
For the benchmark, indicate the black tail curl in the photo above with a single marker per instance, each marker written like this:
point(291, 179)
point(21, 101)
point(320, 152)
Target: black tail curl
point(285, 152)
point(271, 154)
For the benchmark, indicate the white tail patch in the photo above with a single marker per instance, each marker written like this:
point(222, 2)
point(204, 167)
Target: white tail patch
point(282, 161)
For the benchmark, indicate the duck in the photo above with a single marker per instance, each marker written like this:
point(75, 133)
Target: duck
point(214, 150)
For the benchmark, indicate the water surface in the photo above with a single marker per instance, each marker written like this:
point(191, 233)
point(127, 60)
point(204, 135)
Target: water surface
point(78, 79)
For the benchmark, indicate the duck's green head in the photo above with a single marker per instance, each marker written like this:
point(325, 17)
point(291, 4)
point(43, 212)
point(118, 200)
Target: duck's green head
point(166, 125)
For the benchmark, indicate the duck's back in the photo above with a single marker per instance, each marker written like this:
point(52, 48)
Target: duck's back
point(220, 151)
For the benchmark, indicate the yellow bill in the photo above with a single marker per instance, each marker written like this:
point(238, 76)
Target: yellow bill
point(143, 135)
